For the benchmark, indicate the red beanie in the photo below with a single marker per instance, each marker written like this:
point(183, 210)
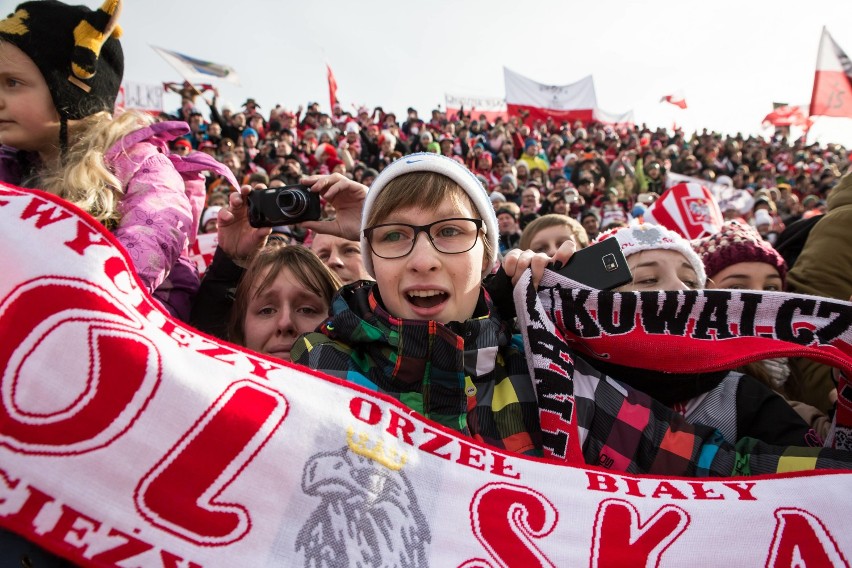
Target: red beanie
point(734, 243)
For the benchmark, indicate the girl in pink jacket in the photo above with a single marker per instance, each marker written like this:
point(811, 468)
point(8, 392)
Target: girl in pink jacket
point(60, 73)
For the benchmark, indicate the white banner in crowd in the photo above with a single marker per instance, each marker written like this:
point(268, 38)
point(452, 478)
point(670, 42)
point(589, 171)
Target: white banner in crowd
point(728, 197)
point(140, 96)
point(127, 439)
point(491, 107)
point(625, 118)
point(577, 100)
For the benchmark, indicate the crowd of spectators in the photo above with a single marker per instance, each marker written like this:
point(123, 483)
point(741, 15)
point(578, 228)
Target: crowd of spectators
point(547, 181)
point(599, 174)
point(571, 180)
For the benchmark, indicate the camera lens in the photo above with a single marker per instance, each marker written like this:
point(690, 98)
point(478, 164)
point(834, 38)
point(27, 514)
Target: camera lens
point(292, 203)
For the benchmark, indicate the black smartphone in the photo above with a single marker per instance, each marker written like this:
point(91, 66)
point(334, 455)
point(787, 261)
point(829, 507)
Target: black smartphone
point(601, 266)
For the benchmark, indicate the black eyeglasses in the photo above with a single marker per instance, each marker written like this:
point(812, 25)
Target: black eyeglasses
point(449, 236)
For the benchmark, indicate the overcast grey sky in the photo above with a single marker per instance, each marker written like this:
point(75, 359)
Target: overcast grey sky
point(731, 59)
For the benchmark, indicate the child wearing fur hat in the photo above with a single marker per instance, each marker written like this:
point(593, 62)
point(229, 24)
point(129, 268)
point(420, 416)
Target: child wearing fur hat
point(62, 67)
point(738, 405)
point(427, 332)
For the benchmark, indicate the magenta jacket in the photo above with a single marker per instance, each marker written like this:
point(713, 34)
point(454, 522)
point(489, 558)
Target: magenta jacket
point(160, 210)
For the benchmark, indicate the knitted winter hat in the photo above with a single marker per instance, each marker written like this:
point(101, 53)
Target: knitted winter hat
point(508, 180)
point(591, 212)
point(762, 217)
point(734, 243)
point(649, 237)
point(428, 162)
point(75, 48)
point(210, 213)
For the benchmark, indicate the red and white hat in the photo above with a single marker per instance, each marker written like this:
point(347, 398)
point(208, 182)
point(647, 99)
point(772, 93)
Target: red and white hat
point(644, 237)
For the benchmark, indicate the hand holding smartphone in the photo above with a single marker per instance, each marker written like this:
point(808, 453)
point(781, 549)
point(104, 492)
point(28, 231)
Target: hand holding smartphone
point(601, 265)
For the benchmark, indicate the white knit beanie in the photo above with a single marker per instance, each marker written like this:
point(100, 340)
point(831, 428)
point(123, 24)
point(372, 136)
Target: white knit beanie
point(643, 237)
point(210, 213)
point(429, 162)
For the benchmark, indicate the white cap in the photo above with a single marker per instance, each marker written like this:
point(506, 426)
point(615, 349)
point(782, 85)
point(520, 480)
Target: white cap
point(762, 217)
point(725, 180)
point(210, 213)
point(429, 162)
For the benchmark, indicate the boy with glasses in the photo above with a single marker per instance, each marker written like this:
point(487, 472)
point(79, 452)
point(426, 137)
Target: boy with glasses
point(427, 332)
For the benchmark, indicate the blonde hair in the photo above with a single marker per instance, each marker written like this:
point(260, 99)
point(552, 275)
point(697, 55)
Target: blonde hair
point(82, 176)
point(554, 220)
point(426, 190)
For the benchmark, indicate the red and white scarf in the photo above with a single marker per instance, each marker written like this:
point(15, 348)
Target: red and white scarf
point(127, 439)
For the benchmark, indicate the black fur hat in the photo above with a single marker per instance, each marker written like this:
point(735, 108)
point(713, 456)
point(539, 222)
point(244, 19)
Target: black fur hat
point(75, 48)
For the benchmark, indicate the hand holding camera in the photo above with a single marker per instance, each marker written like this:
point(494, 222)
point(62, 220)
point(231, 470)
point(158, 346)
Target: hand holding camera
point(237, 239)
point(285, 205)
point(347, 198)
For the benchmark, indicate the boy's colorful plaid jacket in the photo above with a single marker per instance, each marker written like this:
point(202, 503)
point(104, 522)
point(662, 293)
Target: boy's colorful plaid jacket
point(473, 378)
point(470, 377)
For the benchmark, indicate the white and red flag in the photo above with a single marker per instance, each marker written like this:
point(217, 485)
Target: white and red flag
point(687, 208)
point(576, 101)
point(201, 251)
point(491, 107)
point(832, 95)
point(332, 87)
point(788, 115)
point(676, 99)
point(614, 118)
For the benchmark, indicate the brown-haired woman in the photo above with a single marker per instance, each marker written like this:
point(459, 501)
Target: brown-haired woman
point(285, 292)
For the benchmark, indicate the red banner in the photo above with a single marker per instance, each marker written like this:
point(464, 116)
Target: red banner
point(332, 88)
point(788, 115)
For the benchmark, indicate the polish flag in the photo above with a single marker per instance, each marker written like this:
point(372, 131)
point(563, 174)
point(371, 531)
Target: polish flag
point(332, 87)
point(491, 107)
point(688, 209)
point(676, 100)
point(576, 101)
point(832, 95)
point(788, 115)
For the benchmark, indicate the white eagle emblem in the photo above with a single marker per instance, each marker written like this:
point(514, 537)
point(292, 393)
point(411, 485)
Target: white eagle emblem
point(368, 515)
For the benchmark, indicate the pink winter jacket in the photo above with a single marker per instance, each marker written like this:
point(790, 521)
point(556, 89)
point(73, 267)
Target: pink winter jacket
point(160, 209)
